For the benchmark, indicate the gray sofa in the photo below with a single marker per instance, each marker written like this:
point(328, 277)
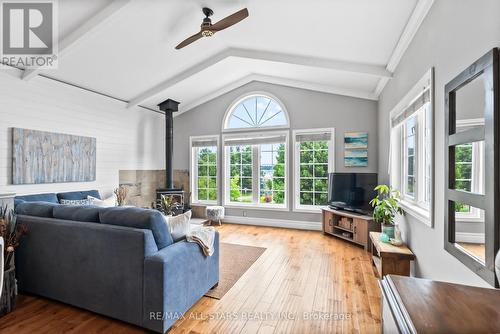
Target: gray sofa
point(119, 262)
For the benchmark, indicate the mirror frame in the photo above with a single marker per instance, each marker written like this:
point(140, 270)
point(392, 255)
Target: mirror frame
point(487, 65)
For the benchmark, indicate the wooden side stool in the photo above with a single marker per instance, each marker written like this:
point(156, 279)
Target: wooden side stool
point(389, 259)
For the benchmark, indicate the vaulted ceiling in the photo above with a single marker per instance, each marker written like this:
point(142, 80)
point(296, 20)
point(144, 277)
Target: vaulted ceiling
point(125, 48)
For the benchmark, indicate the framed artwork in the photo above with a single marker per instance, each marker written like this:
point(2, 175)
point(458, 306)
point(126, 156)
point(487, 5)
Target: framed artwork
point(47, 157)
point(356, 149)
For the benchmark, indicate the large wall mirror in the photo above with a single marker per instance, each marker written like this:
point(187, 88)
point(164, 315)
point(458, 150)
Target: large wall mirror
point(472, 166)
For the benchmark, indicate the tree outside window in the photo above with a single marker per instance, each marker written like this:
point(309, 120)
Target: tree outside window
point(313, 173)
point(241, 174)
point(207, 173)
point(272, 174)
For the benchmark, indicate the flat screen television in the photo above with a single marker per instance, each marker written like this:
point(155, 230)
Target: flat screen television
point(352, 191)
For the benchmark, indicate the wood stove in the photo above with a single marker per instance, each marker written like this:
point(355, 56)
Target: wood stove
point(169, 107)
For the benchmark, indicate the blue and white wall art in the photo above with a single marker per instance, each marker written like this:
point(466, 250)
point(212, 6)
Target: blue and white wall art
point(356, 149)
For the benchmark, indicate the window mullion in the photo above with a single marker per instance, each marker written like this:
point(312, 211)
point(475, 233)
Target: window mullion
point(195, 172)
point(255, 173)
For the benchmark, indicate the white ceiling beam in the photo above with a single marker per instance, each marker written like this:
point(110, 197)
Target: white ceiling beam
point(82, 32)
point(366, 69)
point(331, 64)
point(277, 81)
point(414, 22)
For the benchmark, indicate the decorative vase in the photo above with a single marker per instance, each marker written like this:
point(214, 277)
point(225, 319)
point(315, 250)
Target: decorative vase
point(388, 229)
point(397, 234)
point(9, 292)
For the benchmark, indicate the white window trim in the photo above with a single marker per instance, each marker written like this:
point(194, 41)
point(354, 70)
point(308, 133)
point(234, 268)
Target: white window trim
point(420, 212)
point(237, 101)
point(296, 167)
point(255, 173)
point(193, 172)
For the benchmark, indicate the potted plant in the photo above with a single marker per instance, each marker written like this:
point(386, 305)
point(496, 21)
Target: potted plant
point(385, 207)
point(169, 205)
point(12, 233)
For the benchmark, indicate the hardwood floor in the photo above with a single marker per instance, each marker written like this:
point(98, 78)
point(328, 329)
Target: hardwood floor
point(305, 282)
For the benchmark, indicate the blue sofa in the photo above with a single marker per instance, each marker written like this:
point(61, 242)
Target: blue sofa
point(119, 262)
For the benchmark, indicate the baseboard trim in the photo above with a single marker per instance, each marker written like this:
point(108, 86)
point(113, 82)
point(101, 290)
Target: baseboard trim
point(284, 223)
point(472, 238)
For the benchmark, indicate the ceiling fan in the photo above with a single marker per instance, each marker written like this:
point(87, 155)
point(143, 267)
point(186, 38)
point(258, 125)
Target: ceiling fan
point(208, 29)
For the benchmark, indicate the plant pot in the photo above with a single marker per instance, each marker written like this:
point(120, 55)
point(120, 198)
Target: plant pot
point(9, 292)
point(388, 229)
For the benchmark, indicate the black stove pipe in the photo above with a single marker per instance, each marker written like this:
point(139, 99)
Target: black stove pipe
point(169, 107)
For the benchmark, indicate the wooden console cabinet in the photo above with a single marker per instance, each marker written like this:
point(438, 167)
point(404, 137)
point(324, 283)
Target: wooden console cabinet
point(389, 259)
point(349, 226)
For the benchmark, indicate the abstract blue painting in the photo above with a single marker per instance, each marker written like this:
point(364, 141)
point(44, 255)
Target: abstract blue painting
point(356, 149)
point(46, 157)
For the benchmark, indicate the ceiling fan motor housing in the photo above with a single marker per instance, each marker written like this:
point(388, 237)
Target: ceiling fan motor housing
point(207, 23)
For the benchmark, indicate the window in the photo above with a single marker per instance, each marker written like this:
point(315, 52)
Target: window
point(272, 173)
point(410, 145)
point(255, 111)
point(241, 174)
point(411, 151)
point(313, 162)
point(256, 165)
point(204, 171)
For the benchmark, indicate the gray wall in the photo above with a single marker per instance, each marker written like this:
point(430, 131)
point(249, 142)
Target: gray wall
point(454, 34)
point(307, 109)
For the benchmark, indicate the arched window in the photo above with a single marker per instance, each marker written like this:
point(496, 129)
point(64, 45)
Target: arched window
point(256, 111)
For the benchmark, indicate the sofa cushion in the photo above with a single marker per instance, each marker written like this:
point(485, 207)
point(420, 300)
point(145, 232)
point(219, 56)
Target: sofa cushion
point(38, 209)
point(51, 198)
point(77, 212)
point(178, 225)
point(80, 202)
point(103, 203)
point(78, 195)
point(139, 218)
point(18, 201)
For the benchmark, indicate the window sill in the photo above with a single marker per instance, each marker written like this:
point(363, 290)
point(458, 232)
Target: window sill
point(203, 203)
point(255, 207)
point(307, 210)
point(417, 212)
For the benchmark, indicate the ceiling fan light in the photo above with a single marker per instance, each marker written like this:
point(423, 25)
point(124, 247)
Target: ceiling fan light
point(207, 33)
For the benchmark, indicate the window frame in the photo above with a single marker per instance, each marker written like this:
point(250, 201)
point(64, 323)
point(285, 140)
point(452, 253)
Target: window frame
point(297, 207)
point(226, 158)
point(245, 96)
point(417, 206)
point(193, 172)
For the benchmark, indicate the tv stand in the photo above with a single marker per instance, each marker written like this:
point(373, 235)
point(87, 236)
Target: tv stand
point(349, 226)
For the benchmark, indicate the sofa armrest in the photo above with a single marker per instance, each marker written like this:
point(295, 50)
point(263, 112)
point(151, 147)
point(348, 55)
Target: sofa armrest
point(176, 277)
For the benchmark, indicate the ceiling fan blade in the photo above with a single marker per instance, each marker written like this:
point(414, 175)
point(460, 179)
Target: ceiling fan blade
point(189, 40)
point(230, 20)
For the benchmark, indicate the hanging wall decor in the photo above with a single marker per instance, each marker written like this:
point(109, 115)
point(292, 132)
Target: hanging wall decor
point(356, 149)
point(46, 157)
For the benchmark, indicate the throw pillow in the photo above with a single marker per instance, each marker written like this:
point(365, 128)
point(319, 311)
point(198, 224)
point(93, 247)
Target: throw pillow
point(178, 225)
point(75, 202)
point(103, 203)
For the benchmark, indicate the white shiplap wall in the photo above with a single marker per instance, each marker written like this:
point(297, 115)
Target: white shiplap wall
point(126, 138)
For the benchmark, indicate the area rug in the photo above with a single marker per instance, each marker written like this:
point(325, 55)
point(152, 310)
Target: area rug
point(234, 261)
